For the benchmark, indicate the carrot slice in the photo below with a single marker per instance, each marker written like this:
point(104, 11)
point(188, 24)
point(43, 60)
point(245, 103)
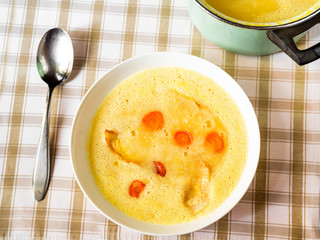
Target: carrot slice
point(161, 169)
point(183, 138)
point(153, 120)
point(136, 188)
point(215, 141)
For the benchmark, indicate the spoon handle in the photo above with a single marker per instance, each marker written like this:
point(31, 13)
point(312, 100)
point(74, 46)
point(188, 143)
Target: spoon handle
point(41, 171)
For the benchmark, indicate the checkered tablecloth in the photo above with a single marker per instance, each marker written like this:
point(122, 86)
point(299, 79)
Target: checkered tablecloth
point(283, 199)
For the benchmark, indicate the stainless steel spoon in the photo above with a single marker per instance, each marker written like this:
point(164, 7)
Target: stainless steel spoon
point(54, 64)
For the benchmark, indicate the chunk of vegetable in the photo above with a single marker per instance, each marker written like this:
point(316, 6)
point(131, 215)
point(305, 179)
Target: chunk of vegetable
point(160, 168)
point(215, 141)
point(136, 188)
point(183, 138)
point(153, 120)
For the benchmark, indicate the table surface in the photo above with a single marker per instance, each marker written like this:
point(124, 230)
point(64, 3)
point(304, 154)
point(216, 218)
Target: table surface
point(282, 201)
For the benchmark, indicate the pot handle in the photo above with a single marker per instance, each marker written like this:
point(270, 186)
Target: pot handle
point(283, 38)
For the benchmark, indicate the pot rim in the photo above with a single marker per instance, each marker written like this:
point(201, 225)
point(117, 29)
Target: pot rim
point(271, 27)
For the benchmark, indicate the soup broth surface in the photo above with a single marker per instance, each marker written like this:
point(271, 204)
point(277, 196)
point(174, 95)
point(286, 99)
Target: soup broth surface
point(167, 145)
point(262, 11)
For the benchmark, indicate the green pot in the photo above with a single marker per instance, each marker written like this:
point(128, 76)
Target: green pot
point(239, 37)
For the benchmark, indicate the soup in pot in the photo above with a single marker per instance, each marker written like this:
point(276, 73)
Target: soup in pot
point(259, 11)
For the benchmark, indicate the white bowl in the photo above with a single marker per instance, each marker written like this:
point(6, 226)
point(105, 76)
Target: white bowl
point(95, 96)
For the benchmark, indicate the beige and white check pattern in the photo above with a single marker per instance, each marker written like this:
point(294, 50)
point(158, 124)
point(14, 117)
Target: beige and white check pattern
point(282, 202)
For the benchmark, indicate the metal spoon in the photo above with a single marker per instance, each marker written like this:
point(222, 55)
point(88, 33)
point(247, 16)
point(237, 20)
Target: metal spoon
point(54, 64)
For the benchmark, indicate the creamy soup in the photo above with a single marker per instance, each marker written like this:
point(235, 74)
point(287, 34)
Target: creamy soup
point(167, 145)
point(259, 11)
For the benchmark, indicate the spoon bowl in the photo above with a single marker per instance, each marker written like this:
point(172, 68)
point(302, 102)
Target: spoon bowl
point(54, 64)
point(55, 57)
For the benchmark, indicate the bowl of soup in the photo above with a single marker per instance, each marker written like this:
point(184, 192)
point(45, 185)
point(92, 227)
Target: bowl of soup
point(165, 144)
point(254, 27)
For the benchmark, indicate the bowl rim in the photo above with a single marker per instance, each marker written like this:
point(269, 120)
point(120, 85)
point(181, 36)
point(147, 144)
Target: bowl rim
point(240, 192)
